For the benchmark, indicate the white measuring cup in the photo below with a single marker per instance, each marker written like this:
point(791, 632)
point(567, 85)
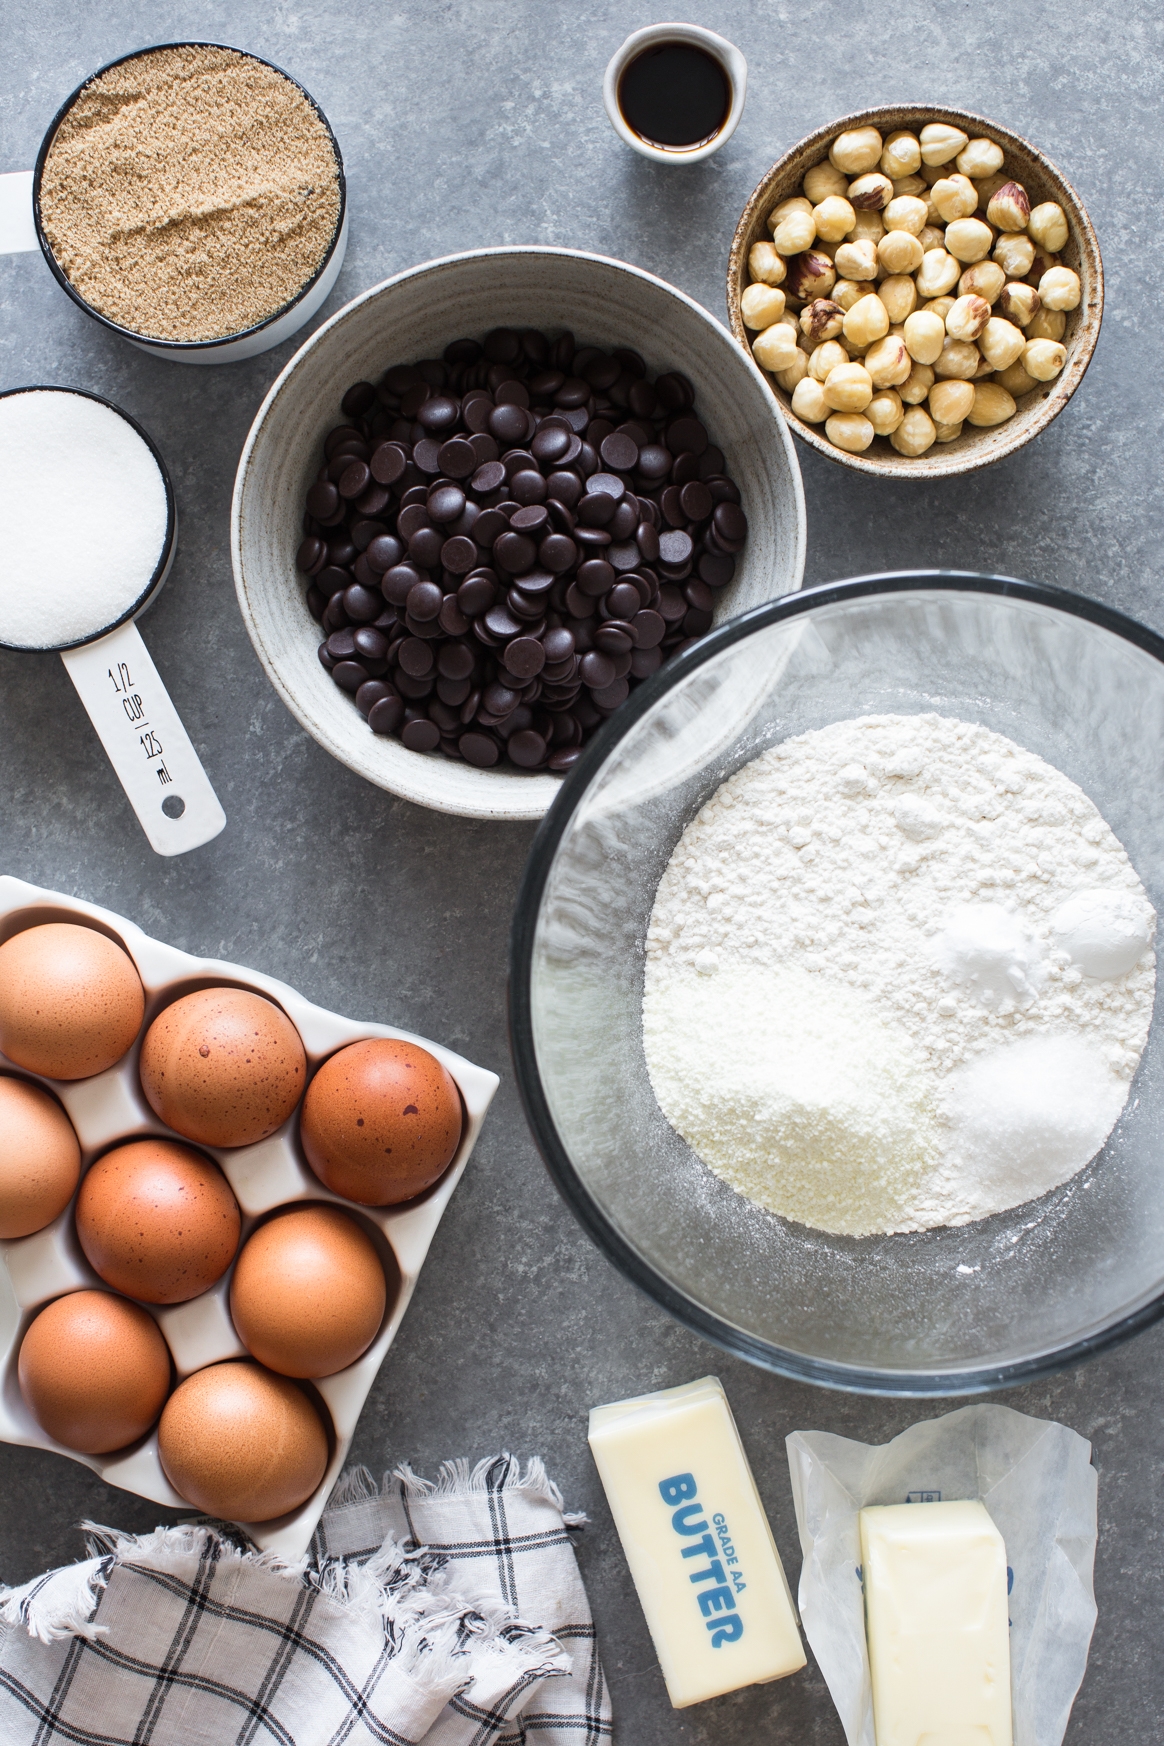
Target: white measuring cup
point(123, 693)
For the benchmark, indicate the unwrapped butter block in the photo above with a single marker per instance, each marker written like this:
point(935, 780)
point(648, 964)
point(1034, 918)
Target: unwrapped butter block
point(936, 1623)
point(697, 1541)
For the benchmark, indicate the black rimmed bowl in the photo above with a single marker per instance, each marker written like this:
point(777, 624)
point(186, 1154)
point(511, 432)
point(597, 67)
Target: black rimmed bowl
point(247, 342)
point(948, 1311)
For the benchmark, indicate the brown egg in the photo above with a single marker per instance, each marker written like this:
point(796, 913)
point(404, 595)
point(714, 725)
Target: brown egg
point(94, 1371)
point(240, 1443)
point(71, 1001)
point(308, 1293)
point(381, 1121)
point(157, 1220)
point(224, 1067)
point(40, 1159)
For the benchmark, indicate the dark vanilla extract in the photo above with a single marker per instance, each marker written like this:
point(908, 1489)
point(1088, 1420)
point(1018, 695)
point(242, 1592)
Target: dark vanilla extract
point(674, 96)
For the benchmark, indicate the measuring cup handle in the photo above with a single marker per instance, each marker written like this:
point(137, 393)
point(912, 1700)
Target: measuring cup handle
point(145, 741)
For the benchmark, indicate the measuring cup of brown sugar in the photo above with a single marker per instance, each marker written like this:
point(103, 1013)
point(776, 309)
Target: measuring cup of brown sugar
point(675, 92)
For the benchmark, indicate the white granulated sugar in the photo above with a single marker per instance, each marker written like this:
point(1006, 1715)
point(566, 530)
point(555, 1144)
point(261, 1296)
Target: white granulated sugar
point(899, 975)
point(83, 505)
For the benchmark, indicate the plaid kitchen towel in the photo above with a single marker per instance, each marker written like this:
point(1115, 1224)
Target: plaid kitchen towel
point(185, 1638)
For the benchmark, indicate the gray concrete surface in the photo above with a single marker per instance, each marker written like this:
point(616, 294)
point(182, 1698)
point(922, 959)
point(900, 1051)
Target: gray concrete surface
point(465, 125)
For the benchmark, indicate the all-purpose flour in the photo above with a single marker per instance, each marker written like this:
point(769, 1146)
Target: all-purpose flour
point(898, 975)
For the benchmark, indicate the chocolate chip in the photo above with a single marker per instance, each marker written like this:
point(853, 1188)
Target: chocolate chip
point(479, 749)
point(421, 735)
point(461, 586)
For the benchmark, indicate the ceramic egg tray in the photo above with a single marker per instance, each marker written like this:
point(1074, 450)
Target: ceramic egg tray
point(111, 1107)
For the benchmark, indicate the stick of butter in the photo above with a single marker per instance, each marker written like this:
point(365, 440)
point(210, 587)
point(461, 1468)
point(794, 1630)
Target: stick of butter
point(936, 1621)
point(697, 1541)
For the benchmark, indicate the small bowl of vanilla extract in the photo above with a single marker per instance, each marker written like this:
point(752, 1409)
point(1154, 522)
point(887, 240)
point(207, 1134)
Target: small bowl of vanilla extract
point(675, 92)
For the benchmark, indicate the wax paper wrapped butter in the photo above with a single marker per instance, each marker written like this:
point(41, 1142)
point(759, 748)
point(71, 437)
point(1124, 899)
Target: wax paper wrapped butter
point(700, 1550)
point(1035, 1480)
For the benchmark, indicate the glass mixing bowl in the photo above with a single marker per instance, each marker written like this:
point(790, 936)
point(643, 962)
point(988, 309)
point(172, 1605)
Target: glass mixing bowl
point(948, 1311)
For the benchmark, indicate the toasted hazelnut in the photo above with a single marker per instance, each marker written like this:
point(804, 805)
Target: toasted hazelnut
point(958, 359)
point(823, 181)
point(761, 305)
point(905, 212)
point(968, 239)
point(1014, 254)
point(821, 320)
point(1050, 324)
point(888, 362)
point(925, 334)
point(885, 411)
point(1015, 380)
point(1041, 263)
point(1009, 207)
point(810, 275)
point(857, 151)
point(988, 187)
point(940, 142)
point(980, 158)
point(871, 193)
point(846, 292)
point(1048, 226)
point(824, 246)
point(937, 273)
point(795, 233)
point(954, 197)
point(849, 431)
point(940, 306)
point(985, 368)
point(901, 155)
point(834, 217)
point(946, 433)
point(765, 264)
point(866, 321)
point(808, 401)
point(904, 185)
point(785, 208)
point(796, 372)
point(1018, 303)
point(984, 279)
point(848, 388)
point(857, 260)
point(1001, 342)
point(1043, 359)
point(915, 434)
point(1060, 289)
point(967, 317)
point(898, 252)
point(931, 173)
point(899, 295)
point(992, 405)
point(932, 236)
point(950, 401)
point(776, 347)
point(870, 227)
point(917, 385)
point(825, 359)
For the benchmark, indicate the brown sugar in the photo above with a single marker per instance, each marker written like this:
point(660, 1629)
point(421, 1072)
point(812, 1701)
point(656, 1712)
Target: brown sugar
point(190, 193)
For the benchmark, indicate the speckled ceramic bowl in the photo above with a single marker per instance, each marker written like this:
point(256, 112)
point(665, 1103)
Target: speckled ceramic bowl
point(974, 447)
point(414, 315)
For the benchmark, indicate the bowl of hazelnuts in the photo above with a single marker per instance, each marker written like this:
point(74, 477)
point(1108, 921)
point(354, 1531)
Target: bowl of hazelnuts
point(921, 288)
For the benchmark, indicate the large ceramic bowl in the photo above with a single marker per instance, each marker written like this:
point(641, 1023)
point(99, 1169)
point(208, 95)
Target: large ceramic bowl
point(415, 315)
point(946, 1311)
point(1039, 176)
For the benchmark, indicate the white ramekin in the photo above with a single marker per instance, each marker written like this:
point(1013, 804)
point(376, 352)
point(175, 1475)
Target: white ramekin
point(730, 59)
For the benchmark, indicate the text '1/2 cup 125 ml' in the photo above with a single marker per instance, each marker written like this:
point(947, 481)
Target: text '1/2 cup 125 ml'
point(675, 92)
point(78, 569)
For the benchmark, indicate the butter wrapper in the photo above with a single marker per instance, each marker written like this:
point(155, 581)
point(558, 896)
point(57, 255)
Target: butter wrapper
point(1035, 1478)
